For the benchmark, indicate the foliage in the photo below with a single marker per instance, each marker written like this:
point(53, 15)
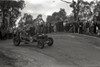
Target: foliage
point(57, 16)
point(11, 9)
point(84, 10)
point(26, 19)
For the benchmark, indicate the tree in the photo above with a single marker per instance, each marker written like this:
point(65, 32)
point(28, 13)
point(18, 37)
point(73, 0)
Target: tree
point(56, 18)
point(61, 16)
point(49, 19)
point(89, 11)
point(70, 18)
point(85, 10)
point(11, 9)
point(28, 18)
point(73, 5)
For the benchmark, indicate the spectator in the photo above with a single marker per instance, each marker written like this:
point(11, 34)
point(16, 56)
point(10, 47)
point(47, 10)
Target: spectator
point(87, 27)
point(80, 27)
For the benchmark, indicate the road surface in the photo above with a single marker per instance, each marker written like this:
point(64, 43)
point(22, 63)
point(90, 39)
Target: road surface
point(69, 50)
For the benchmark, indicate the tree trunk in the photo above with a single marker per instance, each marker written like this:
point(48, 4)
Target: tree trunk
point(3, 12)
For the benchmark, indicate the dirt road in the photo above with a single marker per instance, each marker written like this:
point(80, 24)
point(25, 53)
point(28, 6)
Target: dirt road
point(69, 50)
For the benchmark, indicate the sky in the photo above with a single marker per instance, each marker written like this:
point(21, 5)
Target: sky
point(45, 7)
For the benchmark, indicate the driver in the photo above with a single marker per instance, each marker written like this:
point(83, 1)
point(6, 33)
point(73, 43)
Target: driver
point(30, 30)
point(40, 24)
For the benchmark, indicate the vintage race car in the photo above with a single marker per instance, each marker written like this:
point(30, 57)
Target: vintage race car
point(41, 39)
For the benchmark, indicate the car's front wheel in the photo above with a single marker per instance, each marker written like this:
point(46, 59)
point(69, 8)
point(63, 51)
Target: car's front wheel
point(50, 41)
point(16, 41)
point(40, 44)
